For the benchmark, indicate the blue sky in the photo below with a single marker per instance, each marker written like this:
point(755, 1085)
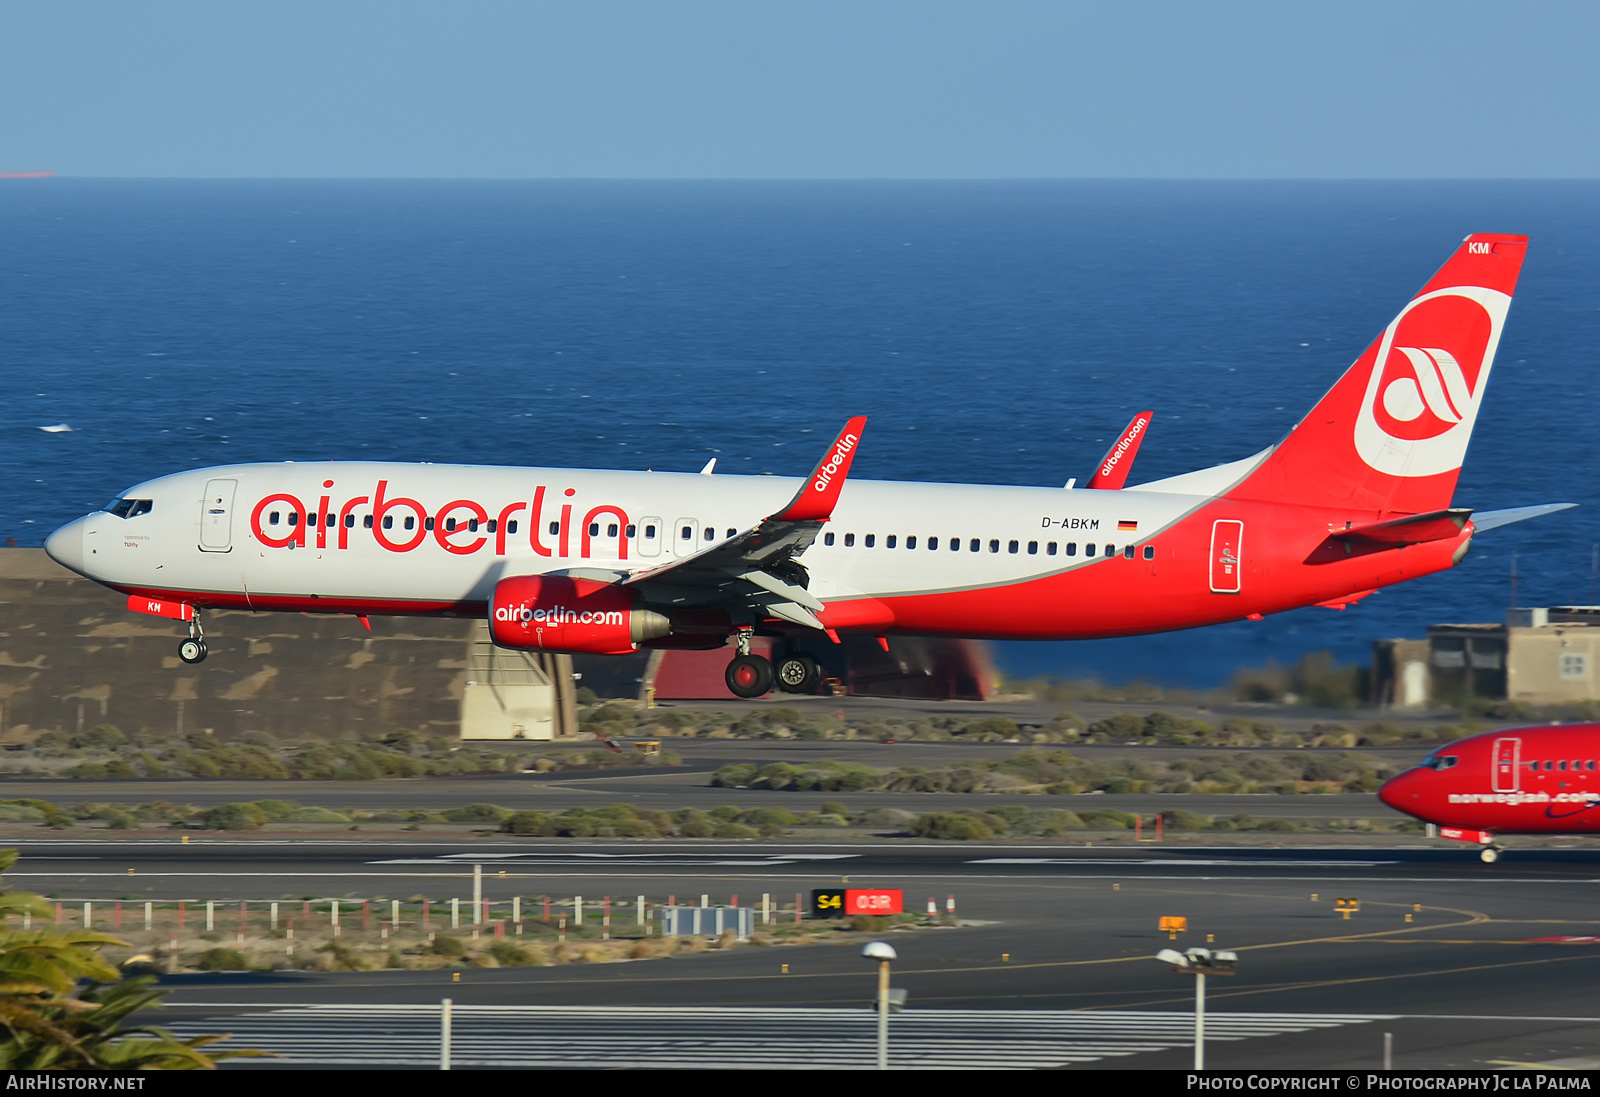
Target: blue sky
point(861, 89)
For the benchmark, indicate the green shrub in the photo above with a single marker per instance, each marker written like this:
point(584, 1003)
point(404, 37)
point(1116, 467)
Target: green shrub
point(233, 817)
point(525, 822)
point(223, 959)
point(1106, 819)
point(477, 813)
point(1176, 819)
point(315, 815)
point(511, 954)
point(697, 828)
point(946, 826)
point(446, 945)
point(735, 830)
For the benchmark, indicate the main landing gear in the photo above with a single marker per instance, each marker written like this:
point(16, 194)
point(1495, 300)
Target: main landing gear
point(1489, 854)
point(194, 650)
point(752, 676)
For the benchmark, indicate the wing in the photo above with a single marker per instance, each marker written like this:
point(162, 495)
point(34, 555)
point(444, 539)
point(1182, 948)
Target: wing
point(758, 571)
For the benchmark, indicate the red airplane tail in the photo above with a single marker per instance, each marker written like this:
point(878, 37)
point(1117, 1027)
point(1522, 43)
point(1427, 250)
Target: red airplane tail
point(1390, 436)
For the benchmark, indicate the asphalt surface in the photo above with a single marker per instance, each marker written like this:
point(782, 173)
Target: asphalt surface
point(1479, 975)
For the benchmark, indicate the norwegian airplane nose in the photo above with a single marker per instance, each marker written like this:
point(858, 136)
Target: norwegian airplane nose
point(1392, 792)
point(65, 546)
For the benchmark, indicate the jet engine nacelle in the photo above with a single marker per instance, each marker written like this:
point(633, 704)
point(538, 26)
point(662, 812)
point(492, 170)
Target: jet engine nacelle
point(557, 613)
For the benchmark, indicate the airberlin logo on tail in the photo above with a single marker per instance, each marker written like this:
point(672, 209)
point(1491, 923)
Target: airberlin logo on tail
point(830, 468)
point(1427, 380)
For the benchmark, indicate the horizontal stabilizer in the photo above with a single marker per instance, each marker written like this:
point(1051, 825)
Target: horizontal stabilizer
point(1413, 529)
point(1490, 519)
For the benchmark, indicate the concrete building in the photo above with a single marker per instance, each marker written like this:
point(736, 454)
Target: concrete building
point(72, 656)
point(1544, 656)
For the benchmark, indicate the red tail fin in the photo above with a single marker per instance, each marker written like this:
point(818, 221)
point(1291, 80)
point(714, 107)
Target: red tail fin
point(1390, 436)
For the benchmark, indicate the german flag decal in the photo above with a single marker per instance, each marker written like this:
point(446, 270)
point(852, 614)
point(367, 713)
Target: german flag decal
point(1125, 524)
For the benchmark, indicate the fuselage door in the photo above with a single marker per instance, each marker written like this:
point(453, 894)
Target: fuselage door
point(216, 516)
point(1227, 550)
point(649, 541)
point(1507, 759)
point(685, 536)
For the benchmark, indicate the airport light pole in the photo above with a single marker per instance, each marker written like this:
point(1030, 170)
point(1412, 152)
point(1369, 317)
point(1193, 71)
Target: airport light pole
point(877, 950)
point(1199, 962)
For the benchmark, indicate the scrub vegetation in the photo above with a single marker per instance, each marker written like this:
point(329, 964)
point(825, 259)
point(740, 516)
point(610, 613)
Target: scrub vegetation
point(1154, 728)
point(108, 752)
point(1061, 773)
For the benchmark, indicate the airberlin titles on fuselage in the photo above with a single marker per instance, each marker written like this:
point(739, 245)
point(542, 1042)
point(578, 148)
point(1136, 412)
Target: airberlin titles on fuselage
point(400, 523)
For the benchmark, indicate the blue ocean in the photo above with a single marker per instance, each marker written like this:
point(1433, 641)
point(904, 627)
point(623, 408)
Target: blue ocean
point(994, 332)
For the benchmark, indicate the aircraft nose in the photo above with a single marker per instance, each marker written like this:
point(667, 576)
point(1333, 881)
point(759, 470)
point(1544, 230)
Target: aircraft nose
point(1392, 791)
point(65, 546)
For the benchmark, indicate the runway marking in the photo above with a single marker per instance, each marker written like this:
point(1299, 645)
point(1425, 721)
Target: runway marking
point(708, 1037)
point(1175, 861)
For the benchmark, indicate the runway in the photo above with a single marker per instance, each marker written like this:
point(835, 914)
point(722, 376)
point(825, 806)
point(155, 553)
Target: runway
point(1496, 962)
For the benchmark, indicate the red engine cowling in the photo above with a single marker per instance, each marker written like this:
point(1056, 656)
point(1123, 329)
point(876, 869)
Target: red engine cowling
point(557, 613)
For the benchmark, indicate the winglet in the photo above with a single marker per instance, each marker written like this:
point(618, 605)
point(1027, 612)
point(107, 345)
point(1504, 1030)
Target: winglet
point(814, 502)
point(1118, 461)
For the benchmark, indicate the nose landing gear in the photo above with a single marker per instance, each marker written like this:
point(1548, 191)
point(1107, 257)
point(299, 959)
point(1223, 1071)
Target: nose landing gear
point(194, 650)
point(1489, 854)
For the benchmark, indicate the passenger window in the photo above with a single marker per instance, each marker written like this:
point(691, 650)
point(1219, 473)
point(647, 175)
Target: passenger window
point(955, 544)
point(1111, 550)
point(827, 539)
point(1033, 548)
point(366, 522)
point(732, 533)
point(711, 534)
point(272, 519)
point(1012, 547)
point(494, 524)
point(911, 542)
point(649, 531)
point(994, 544)
point(1072, 548)
point(1149, 552)
point(611, 530)
point(511, 526)
point(472, 525)
point(329, 520)
point(849, 540)
point(594, 529)
point(687, 534)
point(1562, 765)
point(888, 542)
point(1127, 552)
point(1050, 549)
point(349, 521)
point(870, 540)
point(631, 531)
point(974, 545)
point(294, 518)
point(388, 521)
point(1088, 549)
point(411, 521)
point(933, 543)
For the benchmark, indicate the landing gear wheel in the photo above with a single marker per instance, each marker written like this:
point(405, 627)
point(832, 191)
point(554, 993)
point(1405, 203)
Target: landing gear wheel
point(749, 676)
point(192, 651)
point(798, 674)
point(1489, 855)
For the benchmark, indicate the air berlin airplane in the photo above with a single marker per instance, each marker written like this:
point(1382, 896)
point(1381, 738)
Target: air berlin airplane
point(1356, 497)
point(1539, 780)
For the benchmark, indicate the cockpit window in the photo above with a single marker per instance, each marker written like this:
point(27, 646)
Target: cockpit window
point(1440, 761)
point(129, 508)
